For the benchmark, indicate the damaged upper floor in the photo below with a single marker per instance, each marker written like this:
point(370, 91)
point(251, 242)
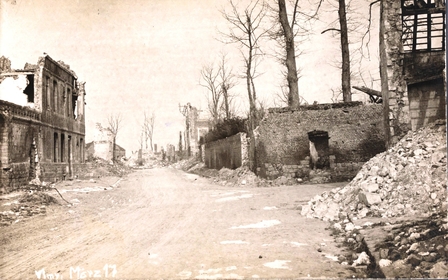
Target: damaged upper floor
point(49, 87)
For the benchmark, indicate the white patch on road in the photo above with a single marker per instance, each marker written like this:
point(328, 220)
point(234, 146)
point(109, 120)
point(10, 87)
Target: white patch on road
point(230, 268)
point(262, 224)
point(298, 244)
point(153, 256)
point(219, 276)
point(233, 198)
point(87, 189)
point(278, 264)
point(191, 177)
point(234, 242)
point(217, 193)
point(333, 258)
point(185, 274)
point(206, 276)
point(270, 208)
point(210, 270)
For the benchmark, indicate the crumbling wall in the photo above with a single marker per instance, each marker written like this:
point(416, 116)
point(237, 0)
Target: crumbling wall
point(355, 134)
point(19, 134)
point(230, 152)
point(393, 87)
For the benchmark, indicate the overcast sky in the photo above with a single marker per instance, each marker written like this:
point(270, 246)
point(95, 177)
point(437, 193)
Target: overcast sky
point(147, 55)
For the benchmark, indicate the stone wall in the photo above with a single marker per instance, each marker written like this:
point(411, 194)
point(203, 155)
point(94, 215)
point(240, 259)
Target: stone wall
point(354, 135)
point(230, 152)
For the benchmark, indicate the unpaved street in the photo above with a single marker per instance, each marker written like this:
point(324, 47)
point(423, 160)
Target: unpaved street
point(164, 223)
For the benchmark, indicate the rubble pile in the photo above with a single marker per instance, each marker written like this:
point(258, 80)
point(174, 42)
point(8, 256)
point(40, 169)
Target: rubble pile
point(417, 249)
point(27, 205)
point(409, 178)
point(406, 183)
point(98, 167)
point(149, 159)
point(241, 176)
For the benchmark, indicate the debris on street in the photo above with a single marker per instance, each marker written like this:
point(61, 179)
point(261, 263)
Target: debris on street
point(407, 182)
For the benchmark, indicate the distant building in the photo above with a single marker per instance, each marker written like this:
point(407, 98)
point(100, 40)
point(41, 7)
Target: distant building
point(196, 127)
point(101, 146)
point(42, 123)
point(120, 152)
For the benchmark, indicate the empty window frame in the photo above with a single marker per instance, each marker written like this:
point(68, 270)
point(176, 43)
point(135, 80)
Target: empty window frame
point(423, 25)
point(29, 90)
point(62, 147)
point(55, 147)
point(55, 96)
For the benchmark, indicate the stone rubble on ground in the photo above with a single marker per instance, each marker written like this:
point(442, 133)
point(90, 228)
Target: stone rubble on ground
point(409, 179)
point(27, 205)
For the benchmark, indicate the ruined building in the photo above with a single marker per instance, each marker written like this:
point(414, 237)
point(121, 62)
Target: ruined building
point(42, 123)
point(103, 145)
point(196, 127)
point(412, 64)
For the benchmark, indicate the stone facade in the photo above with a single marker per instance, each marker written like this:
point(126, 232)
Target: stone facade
point(340, 137)
point(42, 125)
point(412, 64)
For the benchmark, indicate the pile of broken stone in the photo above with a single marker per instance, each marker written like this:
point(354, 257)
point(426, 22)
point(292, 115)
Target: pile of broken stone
point(27, 205)
point(409, 179)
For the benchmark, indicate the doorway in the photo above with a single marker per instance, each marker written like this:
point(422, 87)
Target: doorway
point(319, 149)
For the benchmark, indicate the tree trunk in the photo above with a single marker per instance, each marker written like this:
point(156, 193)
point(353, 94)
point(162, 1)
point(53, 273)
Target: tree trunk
point(113, 149)
point(293, 95)
point(226, 101)
point(347, 96)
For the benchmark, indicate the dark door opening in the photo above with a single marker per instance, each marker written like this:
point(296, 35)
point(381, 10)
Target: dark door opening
point(319, 149)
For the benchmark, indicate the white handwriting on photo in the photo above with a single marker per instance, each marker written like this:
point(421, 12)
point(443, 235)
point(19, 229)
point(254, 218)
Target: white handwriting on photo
point(108, 271)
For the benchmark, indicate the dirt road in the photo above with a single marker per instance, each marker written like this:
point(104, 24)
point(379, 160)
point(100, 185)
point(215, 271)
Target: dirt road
point(164, 223)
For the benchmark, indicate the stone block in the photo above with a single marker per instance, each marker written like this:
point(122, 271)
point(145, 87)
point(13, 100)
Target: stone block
point(369, 186)
point(368, 198)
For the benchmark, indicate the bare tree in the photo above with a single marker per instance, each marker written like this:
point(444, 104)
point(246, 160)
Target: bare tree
point(148, 128)
point(227, 82)
point(245, 29)
point(287, 30)
point(346, 87)
point(114, 121)
point(281, 98)
point(209, 80)
point(351, 22)
point(290, 61)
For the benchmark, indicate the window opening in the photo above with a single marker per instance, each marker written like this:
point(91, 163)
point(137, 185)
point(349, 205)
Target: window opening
point(29, 90)
point(55, 147)
point(423, 25)
point(62, 147)
point(81, 149)
point(69, 99)
point(55, 96)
